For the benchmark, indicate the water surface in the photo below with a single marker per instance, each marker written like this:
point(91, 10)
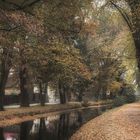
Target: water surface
point(54, 127)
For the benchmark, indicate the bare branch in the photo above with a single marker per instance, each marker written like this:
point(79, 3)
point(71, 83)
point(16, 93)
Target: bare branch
point(21, 6)
point(124, 15)
point(9, 29)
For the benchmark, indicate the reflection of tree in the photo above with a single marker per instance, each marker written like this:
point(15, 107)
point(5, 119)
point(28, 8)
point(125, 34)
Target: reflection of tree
point(101, 110)
point(63, 128)
point(76, 120)
point(42, 130)
point(35, 126)
point(24, 131)
point(52, 130)
point(80, 119)
point(1, 134)
point(60, 128)
point(89, 114)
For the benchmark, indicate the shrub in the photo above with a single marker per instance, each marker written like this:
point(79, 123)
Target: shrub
point(119, 100)
point(130, 97)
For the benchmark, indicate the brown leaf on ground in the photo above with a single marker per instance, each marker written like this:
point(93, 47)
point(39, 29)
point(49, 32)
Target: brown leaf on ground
point(119, 124)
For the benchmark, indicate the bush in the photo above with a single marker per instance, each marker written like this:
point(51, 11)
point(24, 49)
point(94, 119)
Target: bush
point(130, 97)
point(119, 100)
point(129, 94)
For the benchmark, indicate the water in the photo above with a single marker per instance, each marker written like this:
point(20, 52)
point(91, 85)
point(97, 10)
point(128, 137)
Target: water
point(56, 127)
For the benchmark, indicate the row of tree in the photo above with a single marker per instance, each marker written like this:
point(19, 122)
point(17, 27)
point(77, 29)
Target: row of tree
point(39, 44)
point(64, 42)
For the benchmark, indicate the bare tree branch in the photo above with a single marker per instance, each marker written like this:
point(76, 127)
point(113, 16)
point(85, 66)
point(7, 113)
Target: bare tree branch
point(9, 29)
point(124, 15)
point(21, 6)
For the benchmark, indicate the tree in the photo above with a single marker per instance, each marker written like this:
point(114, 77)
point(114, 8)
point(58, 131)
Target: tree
point(6, 55)
point(18, 26)
point(62, 64)
point(132, 20)
point(4, 72)
point(108, 52)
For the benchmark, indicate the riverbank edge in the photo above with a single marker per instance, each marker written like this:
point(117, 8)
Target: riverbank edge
point(18, 115)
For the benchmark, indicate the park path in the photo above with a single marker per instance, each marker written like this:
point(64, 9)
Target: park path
point(122, 123)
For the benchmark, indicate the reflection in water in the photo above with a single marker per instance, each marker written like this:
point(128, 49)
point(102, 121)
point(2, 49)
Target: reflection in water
point(58, 127)
point(1, 134)
point(24, 130)
point(42, 130)
point(63, 127)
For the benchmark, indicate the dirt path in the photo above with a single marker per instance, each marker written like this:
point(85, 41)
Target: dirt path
point(119, 124)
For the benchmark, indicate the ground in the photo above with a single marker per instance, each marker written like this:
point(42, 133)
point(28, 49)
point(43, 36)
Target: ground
point(122, 123)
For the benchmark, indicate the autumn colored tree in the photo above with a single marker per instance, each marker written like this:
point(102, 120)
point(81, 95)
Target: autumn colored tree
point(132, 19)
point(65, 43)
point(62, 65)
point(23, 26)
point(5, 65)
point(6, 53)
point(107, 53)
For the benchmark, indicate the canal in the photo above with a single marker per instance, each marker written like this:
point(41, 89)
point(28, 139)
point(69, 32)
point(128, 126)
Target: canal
point(54, 127)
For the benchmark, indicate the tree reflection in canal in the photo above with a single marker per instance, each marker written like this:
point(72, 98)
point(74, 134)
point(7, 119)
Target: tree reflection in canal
point(42, 130)
point(1, 134)
point(24, 130)
point(63, 126)
point(57, 127)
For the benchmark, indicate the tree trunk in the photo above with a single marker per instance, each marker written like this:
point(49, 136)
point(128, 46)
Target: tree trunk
point(30, 89)
point(69, 94)
point(46, 92)
point(24, 95)
point(4, 72)
point(135, 28)
point(137, 45)
point(62, 93)
point(3, 81)
point(80, 96)
point(65, 92)
point(135, 6)
point(104, 91)
point(2, 93)
point(43, 93)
